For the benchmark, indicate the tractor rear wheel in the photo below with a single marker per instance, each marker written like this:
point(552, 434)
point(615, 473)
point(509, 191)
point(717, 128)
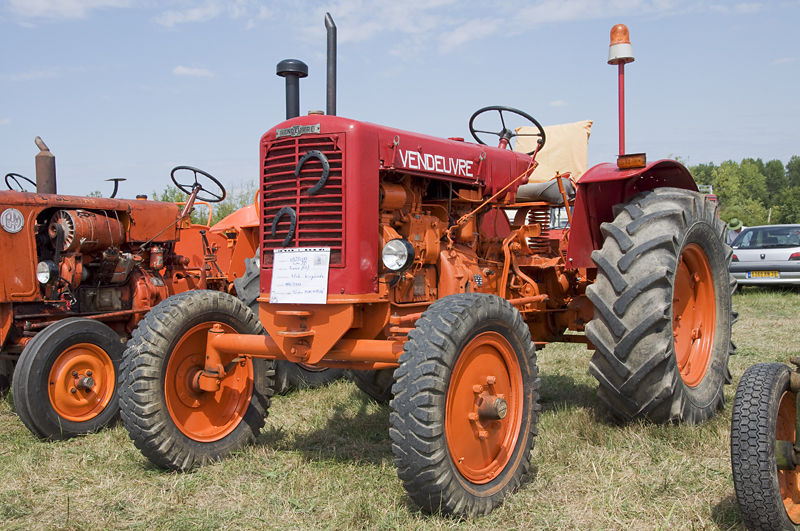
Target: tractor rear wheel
point(465, 405)
point(662, 309)
point(764, 412)
point(376, 384)
point(173, 423)
point(288, 375)
point(67, 379)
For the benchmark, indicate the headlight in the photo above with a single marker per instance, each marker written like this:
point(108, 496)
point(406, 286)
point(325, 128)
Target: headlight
point(46, 271)
point(397, 254)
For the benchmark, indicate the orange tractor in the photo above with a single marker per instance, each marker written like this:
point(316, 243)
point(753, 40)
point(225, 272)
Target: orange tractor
point(386, 250)
point(81, 272)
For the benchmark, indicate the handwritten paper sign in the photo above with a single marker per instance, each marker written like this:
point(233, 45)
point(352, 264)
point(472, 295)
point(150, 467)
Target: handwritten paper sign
point(300, 276)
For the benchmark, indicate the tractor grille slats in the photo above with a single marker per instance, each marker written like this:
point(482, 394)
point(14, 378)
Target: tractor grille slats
point(320, 217)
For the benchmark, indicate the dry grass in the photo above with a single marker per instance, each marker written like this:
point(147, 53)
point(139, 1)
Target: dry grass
point(324, 461)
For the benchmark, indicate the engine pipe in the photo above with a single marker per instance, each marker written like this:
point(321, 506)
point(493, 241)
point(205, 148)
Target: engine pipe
point(331, 96)
point(292, 70)
point(45, 169)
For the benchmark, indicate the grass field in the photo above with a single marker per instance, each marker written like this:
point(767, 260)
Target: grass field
point(324, 461)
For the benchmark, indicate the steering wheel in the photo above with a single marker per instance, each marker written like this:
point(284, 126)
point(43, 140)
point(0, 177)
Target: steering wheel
point(505, 133)
point(189, 188)
point(16, 177)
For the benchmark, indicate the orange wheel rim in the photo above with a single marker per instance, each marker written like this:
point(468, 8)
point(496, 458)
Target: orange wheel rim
point(694, 315)
point(81, 382)
point(204, 416)
point(481, 447)
point(788, 479)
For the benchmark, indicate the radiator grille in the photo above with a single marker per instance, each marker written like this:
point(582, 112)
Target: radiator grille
point(320, 217)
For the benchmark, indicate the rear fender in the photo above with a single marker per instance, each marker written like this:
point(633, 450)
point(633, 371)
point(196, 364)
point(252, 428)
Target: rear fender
point(604, 186)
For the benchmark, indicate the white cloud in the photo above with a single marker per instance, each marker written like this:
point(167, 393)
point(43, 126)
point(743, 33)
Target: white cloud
point(40, 73)
point(785, 60)
point(5, 121)
point(55, 9)
point(469, 31)
point(170, 19)
point(558, 103)
point(211, 9)
point(186, 71)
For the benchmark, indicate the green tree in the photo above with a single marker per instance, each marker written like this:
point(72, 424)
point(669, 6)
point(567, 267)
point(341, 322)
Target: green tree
point(703, 173)
point(789, 208)
point(776, 181)
point(236, 197)
point(752, 181)
point(793, 171)
point(172, 194)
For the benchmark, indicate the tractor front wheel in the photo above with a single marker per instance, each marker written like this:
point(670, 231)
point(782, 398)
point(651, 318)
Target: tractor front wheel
point(66, 380)
point(175, 424)
point(465, 405)
point(662, 309)
point(763, 420)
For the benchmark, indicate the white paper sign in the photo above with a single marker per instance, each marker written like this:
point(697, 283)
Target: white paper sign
point(300, 276)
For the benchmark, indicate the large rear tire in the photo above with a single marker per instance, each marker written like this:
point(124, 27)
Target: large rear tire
point(66, 382)
point(465, 405)
point(288, 375)
point(662, 317)
point(764, 411)
point(174, 425)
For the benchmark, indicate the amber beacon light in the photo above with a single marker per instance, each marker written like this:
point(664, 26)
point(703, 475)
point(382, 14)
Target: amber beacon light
point(620, 51)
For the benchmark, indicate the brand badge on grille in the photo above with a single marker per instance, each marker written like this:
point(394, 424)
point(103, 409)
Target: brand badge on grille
point(12, 221)
point(297, 130)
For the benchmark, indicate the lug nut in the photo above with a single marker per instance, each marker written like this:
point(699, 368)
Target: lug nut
point(482, 435)
point(491, 380)
point(74, 374)
point(73, 390)
point(477, 388)
point(88, 373)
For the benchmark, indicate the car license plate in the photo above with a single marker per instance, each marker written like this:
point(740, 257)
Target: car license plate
point(763, 274)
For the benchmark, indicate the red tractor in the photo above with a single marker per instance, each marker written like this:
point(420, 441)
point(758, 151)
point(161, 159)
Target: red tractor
point(386, 250)
point(79, 274)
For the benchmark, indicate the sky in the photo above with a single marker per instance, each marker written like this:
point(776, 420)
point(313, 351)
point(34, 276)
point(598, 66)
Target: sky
point(133, 88)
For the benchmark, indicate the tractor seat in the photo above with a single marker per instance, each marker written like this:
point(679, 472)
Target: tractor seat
point(546, 191)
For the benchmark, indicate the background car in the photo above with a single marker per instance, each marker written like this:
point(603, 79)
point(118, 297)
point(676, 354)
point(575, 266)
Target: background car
point(768, 254)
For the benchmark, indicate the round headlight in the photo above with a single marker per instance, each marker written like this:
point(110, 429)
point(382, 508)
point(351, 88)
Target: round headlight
point(397, 254)
point(46, 271)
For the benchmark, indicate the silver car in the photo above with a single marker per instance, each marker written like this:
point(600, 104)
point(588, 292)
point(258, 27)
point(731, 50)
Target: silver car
point(769, 254)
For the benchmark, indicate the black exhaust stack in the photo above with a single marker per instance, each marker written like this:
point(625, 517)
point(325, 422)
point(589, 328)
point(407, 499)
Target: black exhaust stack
point(292, 70)
point(331, 101)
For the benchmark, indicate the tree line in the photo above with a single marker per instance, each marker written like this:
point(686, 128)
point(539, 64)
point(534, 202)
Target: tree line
point(755, 192)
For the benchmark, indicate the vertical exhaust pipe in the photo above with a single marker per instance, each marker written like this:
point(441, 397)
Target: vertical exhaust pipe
point(292, 70)
point(331, 100)
point(45, 169)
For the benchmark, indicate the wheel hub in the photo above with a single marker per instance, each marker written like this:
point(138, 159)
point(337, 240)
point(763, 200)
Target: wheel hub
point(694, 315)
point(81, 382)
point(484, 408)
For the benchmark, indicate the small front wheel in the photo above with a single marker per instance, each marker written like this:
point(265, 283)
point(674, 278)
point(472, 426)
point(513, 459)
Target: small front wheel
point(175, 424)
point(763, 424)
point(66, 380)
point(465, 405)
